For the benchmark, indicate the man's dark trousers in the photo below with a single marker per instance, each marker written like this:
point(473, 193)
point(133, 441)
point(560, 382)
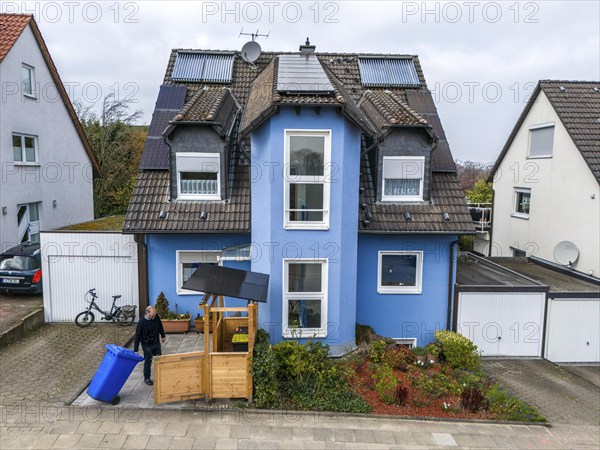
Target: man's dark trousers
point(150, 350)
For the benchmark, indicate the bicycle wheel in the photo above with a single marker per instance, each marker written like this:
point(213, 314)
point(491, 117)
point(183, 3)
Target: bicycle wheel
point(84, 319)
point(123, 319)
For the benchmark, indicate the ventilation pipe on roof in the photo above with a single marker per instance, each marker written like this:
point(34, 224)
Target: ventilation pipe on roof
point(307, 49)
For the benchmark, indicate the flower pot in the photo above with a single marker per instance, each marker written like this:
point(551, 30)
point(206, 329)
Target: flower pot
point(176, 326)
point(200, 326)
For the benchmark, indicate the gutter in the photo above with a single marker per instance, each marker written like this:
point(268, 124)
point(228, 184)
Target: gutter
point(142, 251)
point(450, 284)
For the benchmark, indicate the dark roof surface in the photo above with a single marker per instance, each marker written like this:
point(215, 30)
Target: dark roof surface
point(472, 270)
point(577, 105)
point(254, 88)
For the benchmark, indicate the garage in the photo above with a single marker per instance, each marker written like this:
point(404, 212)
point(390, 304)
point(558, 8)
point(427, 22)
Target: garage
point(527, 307)
point(75, 262)
point(572, 332)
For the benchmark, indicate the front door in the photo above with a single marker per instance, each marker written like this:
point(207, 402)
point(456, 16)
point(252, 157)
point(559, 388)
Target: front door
point(28, 222)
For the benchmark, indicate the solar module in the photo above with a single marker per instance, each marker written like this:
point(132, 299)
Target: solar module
point(388, 72)
point(302, 74)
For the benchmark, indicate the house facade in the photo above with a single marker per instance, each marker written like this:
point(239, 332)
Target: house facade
point(546, 179)
point(47, 164)
point(329, 172)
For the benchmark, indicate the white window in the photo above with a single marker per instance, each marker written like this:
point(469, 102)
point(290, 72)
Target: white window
point(541, 140)
point(24, 148)
point(198, 176)
point(188, 262)
point(28, 76)
point(307, 177)
point(400, 272)
point(403, 178)
point(305, 298)
point(522, 202)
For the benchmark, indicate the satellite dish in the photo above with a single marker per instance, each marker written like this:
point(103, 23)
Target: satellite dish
point(251, 51)
point(566, 253)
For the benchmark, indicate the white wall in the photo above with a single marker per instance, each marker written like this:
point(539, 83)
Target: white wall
point(73, 263)
point(562, 187)
point(64, 172)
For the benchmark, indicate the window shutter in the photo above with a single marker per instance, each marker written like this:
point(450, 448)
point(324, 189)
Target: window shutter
point(542, 140)
point(403, 168)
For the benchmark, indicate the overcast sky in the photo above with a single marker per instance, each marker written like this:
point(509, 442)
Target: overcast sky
point(481, 59)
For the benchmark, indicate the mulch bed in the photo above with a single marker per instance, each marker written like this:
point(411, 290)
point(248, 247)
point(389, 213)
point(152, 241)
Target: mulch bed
point(418, 403)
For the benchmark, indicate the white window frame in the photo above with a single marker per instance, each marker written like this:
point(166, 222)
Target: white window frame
point(403, 198)
point(23, 162)
point(185, 256)
point(293, 332)
point(417, 289)
point(515, 212)
point(537, 127)
point(307, 179)
point(31, 70)
point(179, 158)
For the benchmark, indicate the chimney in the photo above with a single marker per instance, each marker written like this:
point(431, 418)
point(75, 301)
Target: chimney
point(307, 49)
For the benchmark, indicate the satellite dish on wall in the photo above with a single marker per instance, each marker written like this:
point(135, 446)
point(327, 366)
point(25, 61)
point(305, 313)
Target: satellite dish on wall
point(566, 253)
point(251, 51)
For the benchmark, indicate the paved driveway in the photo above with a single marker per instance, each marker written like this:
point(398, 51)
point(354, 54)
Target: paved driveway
point(561, 396)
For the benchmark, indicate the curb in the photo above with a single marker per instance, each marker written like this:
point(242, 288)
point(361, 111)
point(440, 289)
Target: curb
point(30, 322)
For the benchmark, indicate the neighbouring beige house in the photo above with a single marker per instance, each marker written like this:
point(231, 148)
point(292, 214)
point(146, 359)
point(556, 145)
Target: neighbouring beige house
point(546, 179)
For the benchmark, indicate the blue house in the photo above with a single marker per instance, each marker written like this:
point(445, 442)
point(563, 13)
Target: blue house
point(330, 172)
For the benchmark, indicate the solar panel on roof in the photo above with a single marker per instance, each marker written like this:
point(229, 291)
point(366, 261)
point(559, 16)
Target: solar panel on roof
point(388, 72)
point(171, 97)
point(302, 74)
point(203, 67)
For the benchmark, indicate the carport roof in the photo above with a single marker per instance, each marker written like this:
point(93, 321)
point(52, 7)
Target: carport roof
point(473, 270)
point(558, 279)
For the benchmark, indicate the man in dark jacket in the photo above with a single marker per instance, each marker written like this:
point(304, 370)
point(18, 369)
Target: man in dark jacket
point(150, 333)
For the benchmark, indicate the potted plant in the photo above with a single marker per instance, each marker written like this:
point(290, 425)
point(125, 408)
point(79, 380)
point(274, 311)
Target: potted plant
point(199, 321)
point(172, 321)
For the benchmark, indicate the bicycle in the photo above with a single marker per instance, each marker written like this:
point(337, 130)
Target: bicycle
point(122, 315)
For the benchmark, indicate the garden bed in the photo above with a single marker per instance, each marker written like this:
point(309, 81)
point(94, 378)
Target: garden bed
point(445, 380)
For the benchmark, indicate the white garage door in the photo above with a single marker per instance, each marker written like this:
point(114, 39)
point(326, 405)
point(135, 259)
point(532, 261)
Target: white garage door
point(502, 324)
point(74, 263)
point(572, 334)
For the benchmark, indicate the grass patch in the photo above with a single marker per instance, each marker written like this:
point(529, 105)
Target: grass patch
point(110, 223)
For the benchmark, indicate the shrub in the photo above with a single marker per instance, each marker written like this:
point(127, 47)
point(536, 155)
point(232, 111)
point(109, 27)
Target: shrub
point(162, 306)
point(401, 395)
point(419, 351)
point(302, 376)
point(377, 351)
point(433, 349)
point(385, 383)
point(436, 385)
point(399, 358)
point(363, 333)
point(457, 350)
point(473, 399)
point(507, 407)
point(264, 371)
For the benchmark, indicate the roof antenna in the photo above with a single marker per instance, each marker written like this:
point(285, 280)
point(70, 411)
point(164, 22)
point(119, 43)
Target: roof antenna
point(251, 49)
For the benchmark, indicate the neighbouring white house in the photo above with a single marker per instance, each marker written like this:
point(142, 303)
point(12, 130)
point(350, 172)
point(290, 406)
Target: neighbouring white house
point(546, 179)
point(46, 161)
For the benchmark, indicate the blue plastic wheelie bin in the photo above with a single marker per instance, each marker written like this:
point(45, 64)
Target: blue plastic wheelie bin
point(115, 368)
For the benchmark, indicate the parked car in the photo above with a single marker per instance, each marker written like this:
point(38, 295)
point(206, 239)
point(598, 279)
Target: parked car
point(21, 269)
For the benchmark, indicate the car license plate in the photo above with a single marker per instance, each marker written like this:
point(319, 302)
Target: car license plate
point(10, 280)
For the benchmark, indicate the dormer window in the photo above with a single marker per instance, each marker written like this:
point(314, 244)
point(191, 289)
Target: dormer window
point(198, 176)
point(403, 178)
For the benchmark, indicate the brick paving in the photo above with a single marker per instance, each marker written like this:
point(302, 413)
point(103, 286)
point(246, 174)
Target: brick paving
point(53, 363)
point(558, 394)
point(49, 366)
